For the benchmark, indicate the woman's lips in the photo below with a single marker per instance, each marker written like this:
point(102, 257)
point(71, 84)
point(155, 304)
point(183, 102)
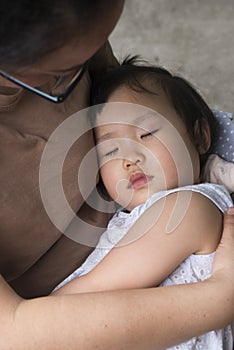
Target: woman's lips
point(139, 180)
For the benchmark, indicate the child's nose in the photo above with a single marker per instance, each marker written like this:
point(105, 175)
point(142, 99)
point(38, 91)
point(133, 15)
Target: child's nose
point(133, 160)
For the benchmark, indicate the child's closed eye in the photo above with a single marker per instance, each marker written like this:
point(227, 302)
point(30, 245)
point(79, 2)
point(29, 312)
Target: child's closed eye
point(149, 134)
point(111, 153)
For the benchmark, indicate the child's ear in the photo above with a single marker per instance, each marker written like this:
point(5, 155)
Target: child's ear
point(202, 136)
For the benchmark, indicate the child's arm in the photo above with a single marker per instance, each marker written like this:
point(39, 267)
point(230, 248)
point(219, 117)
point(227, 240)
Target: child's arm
point(147, 260)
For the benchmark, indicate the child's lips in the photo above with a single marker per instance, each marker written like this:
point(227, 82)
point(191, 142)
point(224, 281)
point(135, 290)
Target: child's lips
point(138, 180)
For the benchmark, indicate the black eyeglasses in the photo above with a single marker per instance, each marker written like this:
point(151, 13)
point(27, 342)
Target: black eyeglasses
point(60, 90)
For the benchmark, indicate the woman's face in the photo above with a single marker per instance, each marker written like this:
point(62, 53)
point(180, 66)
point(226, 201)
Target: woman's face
point(71, 57)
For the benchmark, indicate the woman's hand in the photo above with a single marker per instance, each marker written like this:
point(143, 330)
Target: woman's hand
point(224, 258)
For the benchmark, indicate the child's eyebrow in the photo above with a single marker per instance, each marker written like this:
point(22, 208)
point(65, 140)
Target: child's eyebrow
point(136, 122)
point(104, 137)
point(146, 116)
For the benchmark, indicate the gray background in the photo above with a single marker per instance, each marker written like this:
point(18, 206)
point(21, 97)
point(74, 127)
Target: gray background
point(193, 38)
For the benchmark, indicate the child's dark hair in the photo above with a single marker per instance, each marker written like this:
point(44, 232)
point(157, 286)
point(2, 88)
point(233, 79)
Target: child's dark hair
point(186, 101)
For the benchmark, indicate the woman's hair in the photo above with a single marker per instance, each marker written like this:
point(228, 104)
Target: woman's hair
point(186, 101)
point(31, 29)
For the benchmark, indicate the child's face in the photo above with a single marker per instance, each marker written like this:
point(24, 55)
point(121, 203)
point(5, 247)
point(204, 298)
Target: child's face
point(143, 147)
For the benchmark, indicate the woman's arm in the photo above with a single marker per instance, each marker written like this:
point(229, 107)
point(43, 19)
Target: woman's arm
point(138, 319)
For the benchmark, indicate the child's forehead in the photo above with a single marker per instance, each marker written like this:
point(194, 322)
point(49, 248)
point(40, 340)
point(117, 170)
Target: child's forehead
point(136, 108)
point(116, 121)
point(127, 115)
